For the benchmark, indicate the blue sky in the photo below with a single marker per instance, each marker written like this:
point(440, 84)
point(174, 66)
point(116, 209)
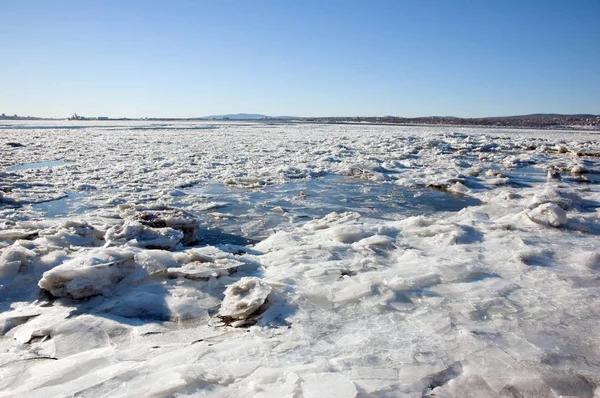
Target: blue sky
point(307, 58)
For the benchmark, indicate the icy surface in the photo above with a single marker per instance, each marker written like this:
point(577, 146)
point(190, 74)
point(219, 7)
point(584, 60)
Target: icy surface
point(298, 260)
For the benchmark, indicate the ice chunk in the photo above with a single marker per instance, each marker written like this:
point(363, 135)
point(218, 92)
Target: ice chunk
point(551, 194)
point(560, 148)
point(15, 234)
point(549, 214)
point(205, 270)
point(8, 322)
point(381, 241)
point(352, 292)
point(458, 187)
point(579, 169)
point(73, 233)
point(164, 217)
point(12, 259)
point(172, 218)
point(137, 234)
point(156, 261)
point(246, 182)
point(279, 240)
point(244, 297)
point(417, 282)
point(88, 275)
point(345, 233)
point(52, 259)
point(332, 219)
point(587, 260)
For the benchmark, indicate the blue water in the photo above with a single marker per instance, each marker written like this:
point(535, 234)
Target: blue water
point(318, 197)
point(259, 210)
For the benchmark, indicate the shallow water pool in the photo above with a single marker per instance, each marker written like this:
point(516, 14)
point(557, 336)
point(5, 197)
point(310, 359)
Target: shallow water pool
point(256, 212)
point(37, 165)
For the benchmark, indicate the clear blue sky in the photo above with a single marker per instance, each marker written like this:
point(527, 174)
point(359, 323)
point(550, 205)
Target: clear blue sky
point(305, 58)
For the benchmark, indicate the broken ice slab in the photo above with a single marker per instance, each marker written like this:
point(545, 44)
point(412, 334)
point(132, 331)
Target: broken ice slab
point(205, 270)
point(88, 275)
point(244, 298)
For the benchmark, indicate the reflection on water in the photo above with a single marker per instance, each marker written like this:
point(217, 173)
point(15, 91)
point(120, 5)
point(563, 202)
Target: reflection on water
point(256, 213)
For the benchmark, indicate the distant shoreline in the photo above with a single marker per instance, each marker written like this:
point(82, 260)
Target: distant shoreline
point(590, 123)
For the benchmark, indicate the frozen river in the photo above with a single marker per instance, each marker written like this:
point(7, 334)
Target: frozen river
point(284, 260)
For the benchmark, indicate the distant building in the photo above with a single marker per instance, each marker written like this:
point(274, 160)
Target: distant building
point(102, 117)
point(75, 117)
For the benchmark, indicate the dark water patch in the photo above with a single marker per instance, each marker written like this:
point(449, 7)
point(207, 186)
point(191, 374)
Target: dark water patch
point(37, 165)
point(15, 144)
point(215, 237)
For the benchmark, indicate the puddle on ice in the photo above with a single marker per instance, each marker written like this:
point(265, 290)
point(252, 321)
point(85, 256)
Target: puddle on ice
point(256, 211)
point(69, 205)
point(38, 165)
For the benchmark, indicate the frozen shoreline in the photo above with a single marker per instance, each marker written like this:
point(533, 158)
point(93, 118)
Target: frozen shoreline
point(497, 299)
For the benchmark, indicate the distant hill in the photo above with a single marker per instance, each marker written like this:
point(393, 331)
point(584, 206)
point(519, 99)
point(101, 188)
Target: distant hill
point(545, 116)
point(246, 116)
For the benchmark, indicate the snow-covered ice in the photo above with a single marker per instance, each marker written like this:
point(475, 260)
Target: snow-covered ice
point(298, 260)
point(88, 275)
point(244, 298)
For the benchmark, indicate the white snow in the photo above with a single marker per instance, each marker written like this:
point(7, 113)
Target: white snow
point(297, 260)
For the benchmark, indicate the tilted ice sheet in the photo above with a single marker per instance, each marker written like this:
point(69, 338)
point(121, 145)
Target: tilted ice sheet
point(391, 261)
